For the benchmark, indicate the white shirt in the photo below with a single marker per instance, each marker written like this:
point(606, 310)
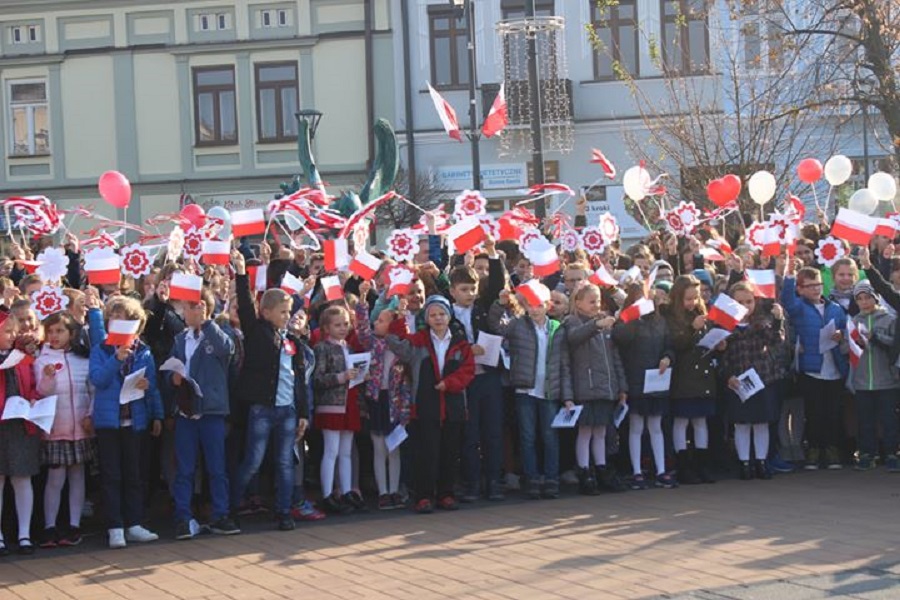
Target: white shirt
point(441, 346)
point(191, 343)
point(411, 322)
point(464, 315)
point(540, 374)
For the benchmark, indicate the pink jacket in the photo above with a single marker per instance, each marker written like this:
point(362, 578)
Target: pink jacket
point(74, 395)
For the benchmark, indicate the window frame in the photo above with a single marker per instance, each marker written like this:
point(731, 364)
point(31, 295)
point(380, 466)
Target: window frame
point(455, 35)
point(542, 8)
point(32, 132)
point(614, 24)
point(685, 67)
point(280, 136)
point(216, 90)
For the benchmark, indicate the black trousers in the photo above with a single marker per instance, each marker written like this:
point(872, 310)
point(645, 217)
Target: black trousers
point(437, 456)
point(120, 474)
point(822, 404)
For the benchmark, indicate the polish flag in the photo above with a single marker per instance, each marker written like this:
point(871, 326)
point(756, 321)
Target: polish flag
point(497, 118)
point(854, 227)
point(763, 281)
point(400, 280)
point(642, 307)
point(31, 266)
point(509, 230)
point(466, 234)
point(122, 333)
point(545, 261)
point(292, 284)
point(185, 286)
point(534, 292)
point(771, 241)
point(886, 228)
point(258, 275)
point(332, 287)
point(726, 312)
point(711, 254)
point(608, 168)
point(721, 245)
point(365, 265)
point(546, 189)
point(603, 278)
point(102, 269)
point(248, 222)
point(856, 341)
point(216, 252)
point(446, 113)
point(337, 256)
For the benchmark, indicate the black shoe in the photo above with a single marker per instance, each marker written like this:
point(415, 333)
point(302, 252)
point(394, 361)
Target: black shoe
point(534, 490)
point(746, 471)
point(551, 490)
point(609, 479)
point(761, 471)
point(587, 484)
point(686, 474)
point(334, 506)
point(495, 492)
point(71, 538)
point(26, 548)
point(286, 523)
point(702, 461)
point(355, 500)
point(50, 538)
point(183, 530)
point(225, 526)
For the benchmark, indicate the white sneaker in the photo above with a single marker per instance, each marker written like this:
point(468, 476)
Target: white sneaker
point(512, 481)
point(568, 478)
point(136, 533)
point(116, 537)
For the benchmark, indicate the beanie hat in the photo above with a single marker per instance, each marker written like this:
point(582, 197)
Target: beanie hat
point(704, 277)
point(439, 301)
point(663, 285)
point(864, 287)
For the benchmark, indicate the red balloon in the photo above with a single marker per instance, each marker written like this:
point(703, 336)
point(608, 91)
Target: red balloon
point(194, 214)
point(810, 170)
point(115, 189)
point(724, 190)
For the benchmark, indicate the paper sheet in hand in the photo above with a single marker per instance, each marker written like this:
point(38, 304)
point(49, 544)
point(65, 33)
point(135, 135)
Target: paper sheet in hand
point(359, 361)
point(654, 382)
point(713, 338)
point(14, 358)
point(620, 414)
point(129, 392)
point(41, 413)
point(176, 366)
point(749, 383)
point(491, 344)
point(566, 418)
point(825, 335)
point(396, 437)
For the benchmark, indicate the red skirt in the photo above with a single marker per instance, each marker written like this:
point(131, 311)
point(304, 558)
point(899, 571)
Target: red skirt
point(346, 421)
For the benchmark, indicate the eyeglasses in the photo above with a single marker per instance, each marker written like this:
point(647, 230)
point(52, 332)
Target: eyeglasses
point(812, 285)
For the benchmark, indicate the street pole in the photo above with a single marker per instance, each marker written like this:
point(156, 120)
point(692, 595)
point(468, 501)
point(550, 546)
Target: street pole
point(865, 112)
point(474, 133)
point(537, 153)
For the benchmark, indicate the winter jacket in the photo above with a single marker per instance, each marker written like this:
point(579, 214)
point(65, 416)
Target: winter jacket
point(210, 367)
point(808, 322)
point(592, 368)
point(523, 349)
point(398, 381)
point(694, 374)
point(750, 347)
point(330, 392)
point(892, 298)
point(642, 344)
point(876, 370)
point(72, 387)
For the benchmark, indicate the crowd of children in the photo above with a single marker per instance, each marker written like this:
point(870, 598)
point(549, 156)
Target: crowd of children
point(284, 389)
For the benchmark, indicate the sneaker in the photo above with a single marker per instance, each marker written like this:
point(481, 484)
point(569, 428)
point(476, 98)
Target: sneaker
point(495, 492)
point(534, 490)
point(864, 462)
point(424, 506)
point(116, 537)
point(225, 526)
point(355, 500)
point(639, 483)
point(286, 523)
point(71, 538)
point(568, 478)
point(448, 503)
point(184, 530)
point(136, 533)
point(512, 482)
point(892, 463)
point(50, 538)
point(833, 459)
point(335, 506)
point(469, 495)
point(251, 507)
point(665, 481)
point(306, 511)
point(550, 491)
point(398, 501)
point(812, 460)
point(385, 502)
point(779, 465)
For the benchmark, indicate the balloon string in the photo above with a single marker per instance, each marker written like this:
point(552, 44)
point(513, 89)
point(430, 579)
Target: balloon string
point(827, 200)
point(643, 216)
point(815, 197)
point(413, 204)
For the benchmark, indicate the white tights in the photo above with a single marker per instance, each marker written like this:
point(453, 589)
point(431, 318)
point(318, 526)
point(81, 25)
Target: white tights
point(56, 479)
point(679, 433)
point(654, 426)
point(24, 503)
point(338, 451)
point(387, 464)
point(760, 440)
point(584, 444)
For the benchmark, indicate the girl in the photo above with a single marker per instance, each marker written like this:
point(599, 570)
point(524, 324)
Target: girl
point(70, 444)
point(20, 444)
point(591, 375)
point(844, 274)
point(337, 408)
point(644, 345)
point(387, 393)
point(749, 347)
point(693, 389)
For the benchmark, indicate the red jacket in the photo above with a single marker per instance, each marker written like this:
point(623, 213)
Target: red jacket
point(27, 389)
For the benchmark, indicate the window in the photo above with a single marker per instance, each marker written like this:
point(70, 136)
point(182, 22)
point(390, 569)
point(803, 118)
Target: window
point(29, 118)
point(215, 115)
point(276, 102)
point(513, 9)
point(761, 30)
point(273, 18)
point(213, 21)
point(617, 30)
point(449, 52)
point(685, 36)
point(24, 34)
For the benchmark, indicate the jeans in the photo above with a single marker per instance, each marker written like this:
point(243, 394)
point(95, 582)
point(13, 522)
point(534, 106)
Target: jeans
point(536, 414)
point(878, 406)
point(483, 438)
point(262, 422)
point(207, 432)
point(120, 472)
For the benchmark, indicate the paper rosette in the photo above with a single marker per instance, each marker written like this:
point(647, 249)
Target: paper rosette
point(48, 300)
point(490, 225)
point(755, 234)
point(570, 240)
point(53, 264)
point(193, 243)
point(469, 204)
point(608, 227)
point(136, 261)
point(528, 237)
point(829, 251)
point(592, 240)
point(683, 219)
point(402, 245)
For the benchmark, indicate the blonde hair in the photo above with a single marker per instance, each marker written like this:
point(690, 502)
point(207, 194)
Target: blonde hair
point(580, 293)
point(272, 298)
point(329, 314)
point(129, 307)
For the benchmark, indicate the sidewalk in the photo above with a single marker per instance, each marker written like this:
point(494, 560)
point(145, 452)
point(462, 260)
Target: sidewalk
point(807, 535)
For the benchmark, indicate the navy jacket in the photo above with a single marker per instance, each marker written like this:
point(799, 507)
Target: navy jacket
point(209, 368)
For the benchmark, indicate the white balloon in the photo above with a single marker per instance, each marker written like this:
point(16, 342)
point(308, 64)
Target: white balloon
point(883, 186)
point(636, 180)
point(838, 169)
point(863, 201)
point(762, 187)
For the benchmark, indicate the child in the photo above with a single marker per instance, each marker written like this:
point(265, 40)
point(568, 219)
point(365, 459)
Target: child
point(749, 346)
point(20, 444)
point(120, 427)
point(442, 367)
point(206, 352)
point(593, 376)
point(337, 408)
point(70, 444)
point(535, 356)
point(875, 378)
point(644, 345)
point(845, 274)
point(387, 394)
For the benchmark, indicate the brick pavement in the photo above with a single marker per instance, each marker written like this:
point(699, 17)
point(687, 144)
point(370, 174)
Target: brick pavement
point(808, 535)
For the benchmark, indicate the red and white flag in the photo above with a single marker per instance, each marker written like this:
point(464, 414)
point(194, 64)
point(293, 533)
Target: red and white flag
point(31, 266)
point(122, 333)
point(726, 312)
point(598, 158)
point(332, 287)
point(466, 234)
point(102, 269)
point(337, 255)
point(771, 240)
point(886, 228)
point(497, 118)
point(534, 292)
point(711, 254)
point(603, 278)
point(292, 284)
point(365, 265)
point(544, 262)
point(856, 341)
point(547, 189)
point(854, 227)
point(642, 307)
point(216, 252)
point(400, 279)
point(185, 286)
point(258, 275)
point(721, 245)
point(763, 281)
point(248, 222)
point(446, 113)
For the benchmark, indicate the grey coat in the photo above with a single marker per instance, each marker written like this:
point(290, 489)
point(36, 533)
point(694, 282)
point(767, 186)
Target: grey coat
point(592, 368)
point(875, 370)
point(523, 349)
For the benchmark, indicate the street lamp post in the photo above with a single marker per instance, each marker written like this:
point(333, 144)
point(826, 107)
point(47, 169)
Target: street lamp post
point(467, 8)
point(537, 155)
point(311, 116)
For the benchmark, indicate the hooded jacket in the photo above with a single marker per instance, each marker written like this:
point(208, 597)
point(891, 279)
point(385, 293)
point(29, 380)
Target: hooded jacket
point(876, 370)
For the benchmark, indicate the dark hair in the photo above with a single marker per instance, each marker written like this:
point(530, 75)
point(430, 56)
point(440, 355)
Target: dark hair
point(463, 274)
point(676, 297)
point(64, 319)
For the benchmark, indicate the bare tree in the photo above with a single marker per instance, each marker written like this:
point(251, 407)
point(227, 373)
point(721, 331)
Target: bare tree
point(397, 214)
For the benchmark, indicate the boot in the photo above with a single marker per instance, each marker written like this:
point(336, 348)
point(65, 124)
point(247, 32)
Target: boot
point(587, 484)
point(701, 461)
point(746, 471)
point(761, 470)
point(609, 479)
point(686, 474)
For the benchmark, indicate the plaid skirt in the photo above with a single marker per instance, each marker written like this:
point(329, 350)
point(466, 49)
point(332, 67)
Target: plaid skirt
point(65, 453)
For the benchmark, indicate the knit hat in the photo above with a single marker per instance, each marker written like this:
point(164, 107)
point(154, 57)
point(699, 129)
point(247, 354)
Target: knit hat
point(864, 287)
point(439, 301)
point(663, 285)
point(704, 277)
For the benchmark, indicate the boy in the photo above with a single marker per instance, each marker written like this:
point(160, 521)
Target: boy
point(206, 352)
point(273, 382)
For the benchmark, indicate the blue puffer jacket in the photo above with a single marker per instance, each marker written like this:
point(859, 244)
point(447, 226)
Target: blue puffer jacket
point(808, 322)
point(106, 375)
